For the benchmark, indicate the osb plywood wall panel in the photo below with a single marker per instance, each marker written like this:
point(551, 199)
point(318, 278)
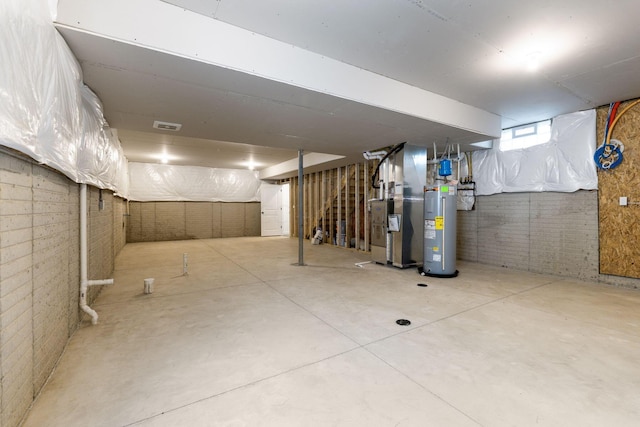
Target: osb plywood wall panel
point(619, 226)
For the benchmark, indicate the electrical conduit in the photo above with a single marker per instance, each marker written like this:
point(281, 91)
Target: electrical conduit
point(614, 119)
point(84, 282)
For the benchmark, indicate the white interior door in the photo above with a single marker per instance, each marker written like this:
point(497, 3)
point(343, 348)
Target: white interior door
point(285, 209)
point(271, 210)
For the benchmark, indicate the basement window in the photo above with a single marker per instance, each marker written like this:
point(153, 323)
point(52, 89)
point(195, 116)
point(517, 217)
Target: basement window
point(525, 136)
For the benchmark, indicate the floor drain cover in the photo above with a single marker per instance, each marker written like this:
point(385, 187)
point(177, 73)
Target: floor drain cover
point(422, 285)
point(403, 322)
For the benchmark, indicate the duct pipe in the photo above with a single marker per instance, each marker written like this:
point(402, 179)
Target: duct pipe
point(387, 183)
point(387, 177)
point(381, 186)
point(84, 282)
point(377, 155)
point(371, 155)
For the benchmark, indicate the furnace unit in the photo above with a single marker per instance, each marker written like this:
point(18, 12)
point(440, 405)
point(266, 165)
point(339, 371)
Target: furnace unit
point(396, 226)
point(380, 210)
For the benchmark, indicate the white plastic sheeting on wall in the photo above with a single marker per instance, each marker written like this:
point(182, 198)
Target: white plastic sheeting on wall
point(46, 111)
point(157, 182)
point(564, 164)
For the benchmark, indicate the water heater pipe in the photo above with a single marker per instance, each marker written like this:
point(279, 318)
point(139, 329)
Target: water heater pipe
point(379, 155)
point(84, 282)
point(458, 161)
point(396, 148)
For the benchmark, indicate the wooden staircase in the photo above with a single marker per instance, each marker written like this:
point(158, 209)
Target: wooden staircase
point(335, 201)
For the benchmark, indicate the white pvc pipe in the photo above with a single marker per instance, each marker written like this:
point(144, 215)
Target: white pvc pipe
point(184, 264)
point(458, 161)
point(84, 282)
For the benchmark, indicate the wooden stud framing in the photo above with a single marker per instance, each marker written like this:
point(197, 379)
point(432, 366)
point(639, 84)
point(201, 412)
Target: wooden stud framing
point(339, 215)
point(331, 198)
point(347, 211)
point(293, 198)
point(316, 210)
point(323, 197)
point(307, 206)
point(332, 234)
point(357, 206)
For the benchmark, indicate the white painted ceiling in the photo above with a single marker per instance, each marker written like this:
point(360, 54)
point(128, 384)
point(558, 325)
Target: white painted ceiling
point(473, 52)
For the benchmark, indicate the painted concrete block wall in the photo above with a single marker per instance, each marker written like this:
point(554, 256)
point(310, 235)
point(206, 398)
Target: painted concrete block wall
point(120, 219)
point(144, 219)
point(50, 275)
point(100, 232)
point(503, 230)
point(200, 223)
point(158, 221)
point(16, 298)
point(233, 216)
point(554, 233)
point(467, 236)
point(252, 219)
point(40, 273)
point(170, 221)
point(564, 234)
point(74, 259)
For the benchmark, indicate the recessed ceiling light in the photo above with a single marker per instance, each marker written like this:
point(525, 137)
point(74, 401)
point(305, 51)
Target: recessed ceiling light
point(251, 165)
point(533, 60)
point(163, 157)
point(174, 127)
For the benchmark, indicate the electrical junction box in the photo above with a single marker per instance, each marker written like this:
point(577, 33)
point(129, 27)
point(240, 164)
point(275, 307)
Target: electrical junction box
point(623, 201)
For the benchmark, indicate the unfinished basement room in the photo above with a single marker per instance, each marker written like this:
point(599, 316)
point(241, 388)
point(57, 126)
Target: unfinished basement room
point(319, 213)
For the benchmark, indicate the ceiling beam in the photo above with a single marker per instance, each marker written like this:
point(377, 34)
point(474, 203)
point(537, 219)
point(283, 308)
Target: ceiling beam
point(287, 168)
point(167, 28)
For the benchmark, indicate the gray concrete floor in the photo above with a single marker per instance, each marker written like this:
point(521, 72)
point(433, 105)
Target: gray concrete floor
point(248, 339)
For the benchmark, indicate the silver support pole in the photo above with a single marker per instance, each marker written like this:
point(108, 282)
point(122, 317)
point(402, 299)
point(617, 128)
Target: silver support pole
point(300, 213)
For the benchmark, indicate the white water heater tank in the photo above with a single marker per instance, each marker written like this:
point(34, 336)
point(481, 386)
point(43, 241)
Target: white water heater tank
point(440, 210)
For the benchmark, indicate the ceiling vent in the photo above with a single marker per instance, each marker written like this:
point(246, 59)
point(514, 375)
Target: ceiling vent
point(174, 127)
